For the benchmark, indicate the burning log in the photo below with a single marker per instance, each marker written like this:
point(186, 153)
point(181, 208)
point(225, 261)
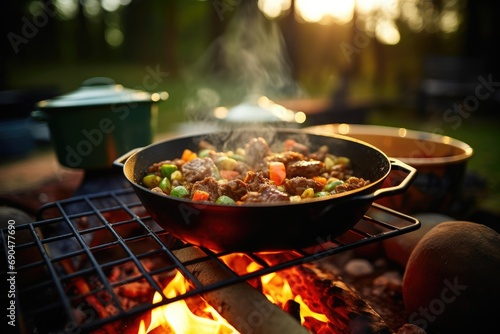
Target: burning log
point(244, 307)
point(327, 294)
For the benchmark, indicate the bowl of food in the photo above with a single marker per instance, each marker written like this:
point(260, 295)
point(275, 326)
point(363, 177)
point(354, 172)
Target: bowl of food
point(260, 190)
point(440, 161)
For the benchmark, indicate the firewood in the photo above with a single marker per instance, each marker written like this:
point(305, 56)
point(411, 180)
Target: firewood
point(293, 308)
point(244, 307)
point(327, 294)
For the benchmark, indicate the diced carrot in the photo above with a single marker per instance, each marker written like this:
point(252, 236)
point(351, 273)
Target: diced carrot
point(229, 174)
point(188, 155)
point(277, 172)
point(320, 179)
point(248, 176)
point(200, 195)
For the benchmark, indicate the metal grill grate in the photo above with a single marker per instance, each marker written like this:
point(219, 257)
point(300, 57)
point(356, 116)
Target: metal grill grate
point(78, 263)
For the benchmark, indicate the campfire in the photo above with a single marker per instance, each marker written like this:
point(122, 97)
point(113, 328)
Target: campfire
point(195, 315)
point(302, 299)
point(101, 264)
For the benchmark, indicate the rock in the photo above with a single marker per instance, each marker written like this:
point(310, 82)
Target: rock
point(358, 268)
point(389, 281)
point(410, 329)
point(399, 248)
point(450, 284)
point(7, 213)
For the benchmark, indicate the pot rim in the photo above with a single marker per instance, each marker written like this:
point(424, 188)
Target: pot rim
point(395, 132)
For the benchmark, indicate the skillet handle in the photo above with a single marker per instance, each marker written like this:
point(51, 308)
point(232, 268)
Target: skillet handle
point(399, 188)
point(403, 185)
point(120, 161)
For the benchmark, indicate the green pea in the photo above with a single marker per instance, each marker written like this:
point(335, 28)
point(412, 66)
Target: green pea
point(225, 200)
point(151, 181)
point(321, 194)
point(331, 186)
point(216, 173)
point(177, 175)
point(227, 163)
point(165, 184)
point(203, 153)
point(344, 161)
point(238, 157)
point(167, 170)
point(179, 191)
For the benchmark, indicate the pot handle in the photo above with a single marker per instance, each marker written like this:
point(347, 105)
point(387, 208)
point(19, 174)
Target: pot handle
point(393, 190)
point(39, 115)
point(120, 161)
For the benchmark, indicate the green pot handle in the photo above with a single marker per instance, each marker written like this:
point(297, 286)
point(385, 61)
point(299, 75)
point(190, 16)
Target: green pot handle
point(39, 116)
point(120, 161)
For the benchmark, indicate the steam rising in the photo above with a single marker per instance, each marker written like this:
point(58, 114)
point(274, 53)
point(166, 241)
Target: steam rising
point(248, 61)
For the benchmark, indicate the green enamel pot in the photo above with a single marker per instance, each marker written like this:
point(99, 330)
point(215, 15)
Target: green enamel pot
point(100, 121)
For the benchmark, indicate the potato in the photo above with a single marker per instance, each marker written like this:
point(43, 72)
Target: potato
point(451, 282)
point(399, 248)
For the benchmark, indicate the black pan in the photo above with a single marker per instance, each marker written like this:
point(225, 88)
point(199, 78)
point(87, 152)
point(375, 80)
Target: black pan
point(264, 226)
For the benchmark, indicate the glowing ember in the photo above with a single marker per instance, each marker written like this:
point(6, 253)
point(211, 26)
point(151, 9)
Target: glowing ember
point(278, 291)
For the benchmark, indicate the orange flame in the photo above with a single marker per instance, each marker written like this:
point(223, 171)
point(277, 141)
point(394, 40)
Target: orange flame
point(177, 317)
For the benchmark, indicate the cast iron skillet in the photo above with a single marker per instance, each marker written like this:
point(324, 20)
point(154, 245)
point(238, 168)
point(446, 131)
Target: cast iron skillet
point(264, 226)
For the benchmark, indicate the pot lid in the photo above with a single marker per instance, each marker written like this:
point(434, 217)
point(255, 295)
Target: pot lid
point(101, 91)
point(260, 110)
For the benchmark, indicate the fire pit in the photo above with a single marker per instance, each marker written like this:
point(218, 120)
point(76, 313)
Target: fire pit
point(99, 263)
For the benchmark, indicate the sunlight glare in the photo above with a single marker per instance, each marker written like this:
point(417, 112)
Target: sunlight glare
point(320, 11)
point(67, 9)
point(411, 14)
point(365, 7)
point(387, 32)
point(110, 5)
point(91, 8)
point(449, 21)
point(274, 8)
point(114, 36)
point(391, 9)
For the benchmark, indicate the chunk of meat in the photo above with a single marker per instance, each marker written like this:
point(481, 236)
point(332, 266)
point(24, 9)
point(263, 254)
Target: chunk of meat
point(285, 157)
point(351, 184)
point(267, 194)
point(256, 180)
point(320, 154)
point(208, 185)
point(294, 146)
point(297, 185)
point(304, 168)
point(197, 169)
point(235, 189)
point(256, 150)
